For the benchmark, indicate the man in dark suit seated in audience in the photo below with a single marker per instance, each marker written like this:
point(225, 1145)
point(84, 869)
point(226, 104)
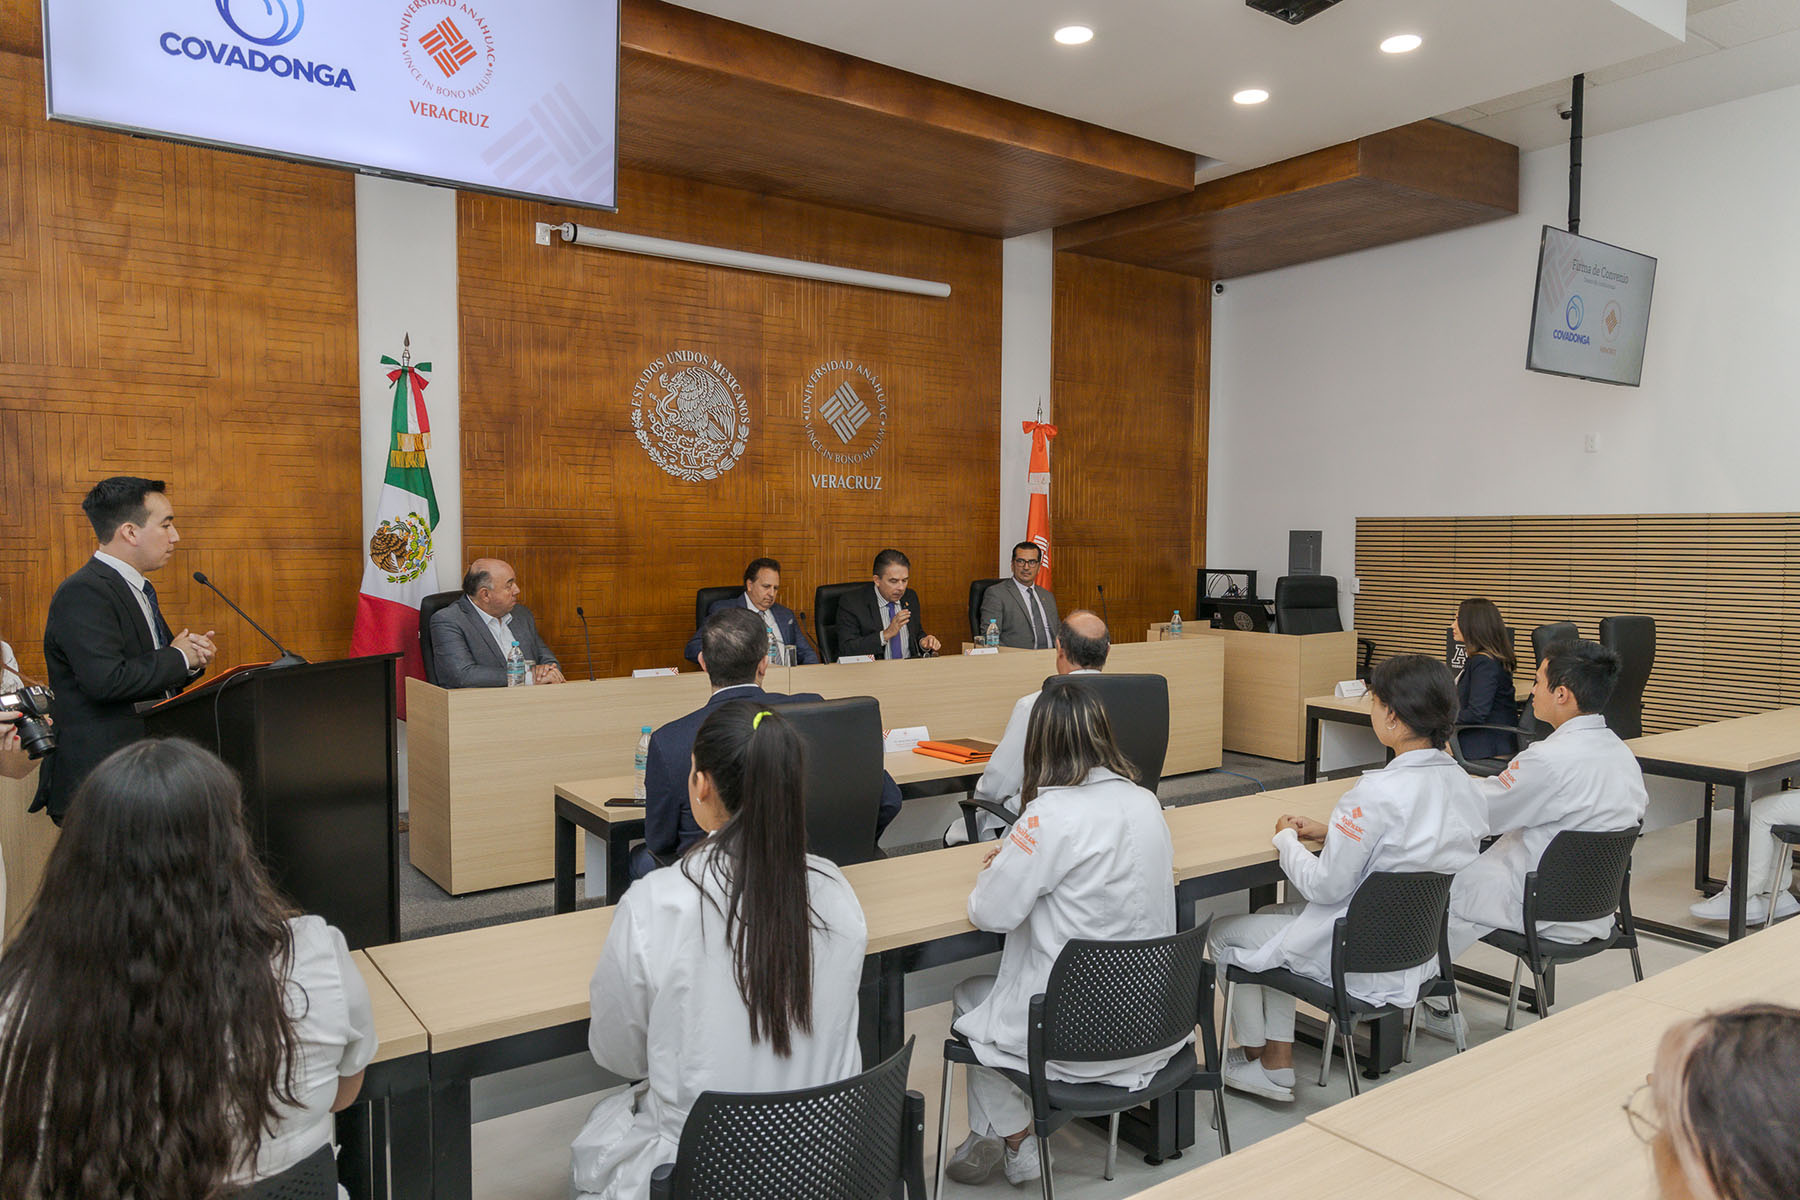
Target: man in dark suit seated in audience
point(884, 620)
point(734, 652)
point(762, 584)
point(471, 638)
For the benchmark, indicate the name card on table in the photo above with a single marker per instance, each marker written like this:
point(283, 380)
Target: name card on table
point(981, 649)
point(856, 658)
point(1351, 689)
point(898, 741)
point(647, 672)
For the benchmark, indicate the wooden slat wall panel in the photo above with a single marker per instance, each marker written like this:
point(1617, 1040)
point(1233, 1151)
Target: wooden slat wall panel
point(1722, 587)
point(554, 480)
point(1128, 466)
point(185, 314)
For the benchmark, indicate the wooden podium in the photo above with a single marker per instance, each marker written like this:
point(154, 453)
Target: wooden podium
point(316, 749)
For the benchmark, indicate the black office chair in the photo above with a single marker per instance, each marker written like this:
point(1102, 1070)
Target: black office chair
point(825, 614)
point(1633, 639)
point(844, 775)
point(1308, 604)
point(706, 597)
point(1789, 837)
point(312, 1178)
point(1397, 920)
point(1137, 708)
point(1546, 636)
point(1104, 1001)
point(428, 608)
point(977, 590)
point(1581, 876)
point(853, 1140)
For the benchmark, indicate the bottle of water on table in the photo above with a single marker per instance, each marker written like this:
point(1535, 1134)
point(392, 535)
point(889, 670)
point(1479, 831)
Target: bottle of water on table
point(515, 667)
point(992, 637)
point(1175, 624)
point(642, 762)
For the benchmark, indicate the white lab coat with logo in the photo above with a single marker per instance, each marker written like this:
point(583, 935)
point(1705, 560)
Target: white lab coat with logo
point(1092, 861)
point(665, 1005)
point(1580, 777)
point(1421, 812)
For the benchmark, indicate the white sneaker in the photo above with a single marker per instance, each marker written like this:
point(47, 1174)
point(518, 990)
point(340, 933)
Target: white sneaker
point(1022, 1165)
point(1282, 1078)
point(975, 1160)
point(1243, 1075)
point(957, 834)
point(1756, 908)
point(1441, 1022)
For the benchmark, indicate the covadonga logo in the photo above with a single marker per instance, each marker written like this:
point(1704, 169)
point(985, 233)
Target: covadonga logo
point(263, 23)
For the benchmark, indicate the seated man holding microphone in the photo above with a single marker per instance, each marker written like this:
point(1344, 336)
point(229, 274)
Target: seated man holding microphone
point(884, 621)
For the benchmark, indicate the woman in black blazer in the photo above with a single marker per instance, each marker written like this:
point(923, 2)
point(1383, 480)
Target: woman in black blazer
point(1484, 690)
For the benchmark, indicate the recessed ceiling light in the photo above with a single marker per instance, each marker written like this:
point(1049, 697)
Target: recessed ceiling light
point(1402, 43)
point(1074, 35)
point(1251, 96)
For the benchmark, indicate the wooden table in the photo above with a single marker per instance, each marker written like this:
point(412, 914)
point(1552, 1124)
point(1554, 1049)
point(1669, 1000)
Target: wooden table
point(1268, 677)
point(1302, 1163)
point(1354, 710)
point(1749, 755)
point(508, 995)
point(583, 806)
point(483, 763)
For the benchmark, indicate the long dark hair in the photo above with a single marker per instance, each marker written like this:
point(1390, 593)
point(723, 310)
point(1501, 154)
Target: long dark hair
point(1727, 1107)
point(757, 763)
point(145, 1046)
point(1420, 692)
point(1484, 631)
point(1068, 736)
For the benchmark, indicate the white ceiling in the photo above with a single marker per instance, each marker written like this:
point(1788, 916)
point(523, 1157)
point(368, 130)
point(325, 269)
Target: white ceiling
point(1734, 48)
point(1166, 69)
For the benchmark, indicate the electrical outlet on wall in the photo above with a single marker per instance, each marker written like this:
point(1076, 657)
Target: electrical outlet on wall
point(1590, 443)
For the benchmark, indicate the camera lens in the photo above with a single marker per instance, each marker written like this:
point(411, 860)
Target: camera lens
point(36, 737)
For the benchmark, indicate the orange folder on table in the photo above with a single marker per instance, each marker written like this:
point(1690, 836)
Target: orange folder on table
point(961, 750)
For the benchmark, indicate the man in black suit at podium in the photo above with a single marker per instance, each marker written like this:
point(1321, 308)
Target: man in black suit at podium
point(106, 644)
point(884, 620)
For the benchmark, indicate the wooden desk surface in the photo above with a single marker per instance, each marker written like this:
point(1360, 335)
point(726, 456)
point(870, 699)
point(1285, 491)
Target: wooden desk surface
point(1740, 745)
point(1764, 966)
point(398, 1030)
point(1346, 704)
point(1533, 1113)
point(1302, 1163)
point(482, 984)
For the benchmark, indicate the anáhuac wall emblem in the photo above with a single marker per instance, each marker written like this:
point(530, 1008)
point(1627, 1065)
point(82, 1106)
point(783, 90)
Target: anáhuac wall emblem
point(690, 415)
point(845, 408)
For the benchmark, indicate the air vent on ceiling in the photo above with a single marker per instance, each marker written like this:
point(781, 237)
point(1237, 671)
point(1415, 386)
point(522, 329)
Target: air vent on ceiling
point(1291, 11)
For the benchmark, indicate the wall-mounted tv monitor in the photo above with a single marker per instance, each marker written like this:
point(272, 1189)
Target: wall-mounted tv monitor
point(1592, 310)
point(512, 96)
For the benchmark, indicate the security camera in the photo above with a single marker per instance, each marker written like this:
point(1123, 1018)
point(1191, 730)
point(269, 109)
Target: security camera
point(1564, 109)
point(1218, 289)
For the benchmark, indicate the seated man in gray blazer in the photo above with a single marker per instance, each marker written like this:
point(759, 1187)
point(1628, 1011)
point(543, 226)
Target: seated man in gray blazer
point(470, 639)
point(1026, 612)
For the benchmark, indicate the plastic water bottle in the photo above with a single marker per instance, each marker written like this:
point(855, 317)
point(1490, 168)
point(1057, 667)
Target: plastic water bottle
point(993, 632)
point(1175, 624)
point(642, 761)
point(515, 667)
point(774, 649)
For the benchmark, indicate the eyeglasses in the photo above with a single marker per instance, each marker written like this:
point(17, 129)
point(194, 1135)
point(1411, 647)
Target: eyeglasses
point(1026, 562)
point(1638, 1108)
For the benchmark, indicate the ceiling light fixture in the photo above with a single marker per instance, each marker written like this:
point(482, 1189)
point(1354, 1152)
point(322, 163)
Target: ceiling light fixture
point(1074, 35)
point(1251, 96)
point(1402, 43)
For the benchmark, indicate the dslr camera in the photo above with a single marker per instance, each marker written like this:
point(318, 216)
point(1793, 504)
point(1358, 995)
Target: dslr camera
point(33, 706)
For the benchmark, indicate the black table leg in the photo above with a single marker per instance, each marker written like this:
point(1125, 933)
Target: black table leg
point(1703, 843)
point(1311, 769)
point(1263, 895)
point(452, 1152)
point(356, 1152)
point(409, 1144)
point(1740, 856)
point(565, 865)
point(618, 859)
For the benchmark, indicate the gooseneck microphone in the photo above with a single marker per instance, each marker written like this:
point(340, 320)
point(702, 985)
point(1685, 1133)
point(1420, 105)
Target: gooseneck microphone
point(586, 638)
point(288, 657)
point(1101, 588)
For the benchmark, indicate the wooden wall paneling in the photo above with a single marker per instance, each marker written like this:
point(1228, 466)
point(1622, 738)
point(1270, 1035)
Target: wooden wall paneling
point(186, 314)
point(22, 27)
point(555, 339)
point(1720, 585)
point(1128, 466)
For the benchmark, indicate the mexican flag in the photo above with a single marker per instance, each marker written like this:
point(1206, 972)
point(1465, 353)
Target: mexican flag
point(398, 574)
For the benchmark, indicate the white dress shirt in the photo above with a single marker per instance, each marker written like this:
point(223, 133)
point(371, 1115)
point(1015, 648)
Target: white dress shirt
point(887, 615)
point(1034, 609)
point(501, 629)
point(134, 579)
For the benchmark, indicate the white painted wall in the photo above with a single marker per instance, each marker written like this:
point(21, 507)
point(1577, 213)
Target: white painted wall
point(1025, 364)
point(1392, 382)
point(406, 283)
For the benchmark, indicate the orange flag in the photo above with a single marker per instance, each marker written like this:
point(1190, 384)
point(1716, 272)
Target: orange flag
point(1037, 484)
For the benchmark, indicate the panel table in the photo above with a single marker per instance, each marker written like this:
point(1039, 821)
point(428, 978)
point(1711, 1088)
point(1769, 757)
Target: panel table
point(1268, 677)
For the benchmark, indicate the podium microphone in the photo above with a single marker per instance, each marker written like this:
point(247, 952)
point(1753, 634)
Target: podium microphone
point(1101, 588)
point(288, 657)
point(586, 638)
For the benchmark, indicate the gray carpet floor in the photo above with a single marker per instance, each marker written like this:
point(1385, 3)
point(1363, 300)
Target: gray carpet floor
point(427, 909)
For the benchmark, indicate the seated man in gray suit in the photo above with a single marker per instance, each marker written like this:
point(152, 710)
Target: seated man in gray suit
point(470, 639)
point(1026, 612)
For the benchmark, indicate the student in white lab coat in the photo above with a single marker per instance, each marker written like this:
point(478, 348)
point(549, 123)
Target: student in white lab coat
point(1580, 777)
point(1421, 812)
point(1082, 643)
point(1769, 868)
point(735, 969)
point(1089, 857)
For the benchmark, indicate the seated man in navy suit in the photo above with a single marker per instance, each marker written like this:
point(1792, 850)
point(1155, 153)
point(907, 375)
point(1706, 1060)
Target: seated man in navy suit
point(734, 651)
point(762, 584)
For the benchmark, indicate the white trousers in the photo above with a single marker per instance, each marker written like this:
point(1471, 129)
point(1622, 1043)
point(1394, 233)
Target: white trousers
point(996, 1107)
point(1768, 858)
point(1258, 1014)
